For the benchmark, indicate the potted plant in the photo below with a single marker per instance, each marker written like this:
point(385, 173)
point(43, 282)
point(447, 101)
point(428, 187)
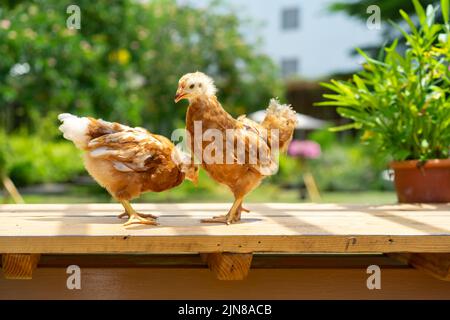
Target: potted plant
point(402, 102)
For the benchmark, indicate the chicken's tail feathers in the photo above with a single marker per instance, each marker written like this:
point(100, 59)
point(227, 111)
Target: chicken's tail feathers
point(281, 111)
point(283, 118)
point(81, 130)
point(75, 129)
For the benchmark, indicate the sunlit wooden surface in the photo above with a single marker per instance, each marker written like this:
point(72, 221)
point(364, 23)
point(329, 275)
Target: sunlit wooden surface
point(290, 228)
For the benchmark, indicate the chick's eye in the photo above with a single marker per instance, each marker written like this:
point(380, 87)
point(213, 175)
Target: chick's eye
point(192, 86)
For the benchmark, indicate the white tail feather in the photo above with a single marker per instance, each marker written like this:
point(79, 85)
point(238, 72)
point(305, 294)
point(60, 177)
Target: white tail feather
point(281, 110)
point(74, 129)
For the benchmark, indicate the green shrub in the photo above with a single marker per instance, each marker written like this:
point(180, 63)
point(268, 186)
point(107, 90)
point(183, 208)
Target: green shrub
point(402, 100)
point(124, 63)
point(348, 167)
point(31, 160)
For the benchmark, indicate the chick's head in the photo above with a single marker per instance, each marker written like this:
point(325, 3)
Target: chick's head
point(195, 85)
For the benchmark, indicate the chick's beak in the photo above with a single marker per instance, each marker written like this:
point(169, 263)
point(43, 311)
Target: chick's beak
point(180, 95)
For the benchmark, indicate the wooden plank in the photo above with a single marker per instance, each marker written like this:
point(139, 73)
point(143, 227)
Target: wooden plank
point(290, 228)
point(31, 220)
point(237, 244)
point(188, 284)
point(434, 264)
point(229, 266)
point(19, 266)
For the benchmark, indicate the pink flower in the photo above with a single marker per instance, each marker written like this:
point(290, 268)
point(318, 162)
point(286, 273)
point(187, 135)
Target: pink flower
point(304, 149)
point(5, 24)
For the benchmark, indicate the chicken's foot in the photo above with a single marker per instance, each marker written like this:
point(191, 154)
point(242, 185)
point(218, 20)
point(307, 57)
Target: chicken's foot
point(146, 215)
point(243, 209)
point(136, 217)
point(234, 215)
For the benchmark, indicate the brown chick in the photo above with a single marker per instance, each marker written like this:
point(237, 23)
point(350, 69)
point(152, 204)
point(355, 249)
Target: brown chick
point(245, 171)
point(128, 161)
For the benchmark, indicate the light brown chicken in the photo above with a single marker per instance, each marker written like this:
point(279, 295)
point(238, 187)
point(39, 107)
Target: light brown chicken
point(128, 161)
point(226, 138)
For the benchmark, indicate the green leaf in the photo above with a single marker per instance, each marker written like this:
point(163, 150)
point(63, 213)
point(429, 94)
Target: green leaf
point(424, 144)
point(330, 86)
point(408, 20)
point(353, 125)
point(420, 12)
point(353, 114)
point(444, 8)
point(359, 83)
point(369, 59)
point(431, 12)
point(401, 154)
point(403, 32)
point(331, 103)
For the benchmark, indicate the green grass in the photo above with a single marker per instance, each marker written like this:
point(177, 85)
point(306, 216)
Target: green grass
point(187, 193)
point(363, 197)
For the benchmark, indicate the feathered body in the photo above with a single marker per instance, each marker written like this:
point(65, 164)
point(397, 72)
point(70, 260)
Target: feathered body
point(126, 161)
point(240, 177)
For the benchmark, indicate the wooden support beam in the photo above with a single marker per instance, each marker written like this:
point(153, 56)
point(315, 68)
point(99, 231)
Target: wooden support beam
point(227, 265)
point(19, 266)
point(311, 187)
point(12, 190)
point(434, 264)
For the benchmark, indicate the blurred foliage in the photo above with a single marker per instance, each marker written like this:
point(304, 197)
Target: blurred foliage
point(125, 61)
point(349, 167)
point(3, 153)
point(402, 101)
point(123, 65)
point(289, 171)
point(33, 159)
point(344, 165)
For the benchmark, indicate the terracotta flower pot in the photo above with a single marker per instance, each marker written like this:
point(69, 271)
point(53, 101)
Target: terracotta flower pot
point(427, 182)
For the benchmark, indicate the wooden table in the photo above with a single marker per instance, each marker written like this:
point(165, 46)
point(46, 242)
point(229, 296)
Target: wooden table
point(272, 236)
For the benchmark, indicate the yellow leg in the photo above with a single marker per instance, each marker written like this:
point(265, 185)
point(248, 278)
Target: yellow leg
point(240, 209)
point(135, 217)
point(234, 215)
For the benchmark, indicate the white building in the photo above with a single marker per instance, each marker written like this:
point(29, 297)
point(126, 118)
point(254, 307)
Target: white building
point(303, 37)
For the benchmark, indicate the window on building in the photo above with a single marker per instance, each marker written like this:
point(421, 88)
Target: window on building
point(289, 67)
point(290, 18)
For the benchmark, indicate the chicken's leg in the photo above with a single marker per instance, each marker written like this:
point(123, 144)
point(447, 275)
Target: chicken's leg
point(239, 210)
point(234, 215)
point(135, 217)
